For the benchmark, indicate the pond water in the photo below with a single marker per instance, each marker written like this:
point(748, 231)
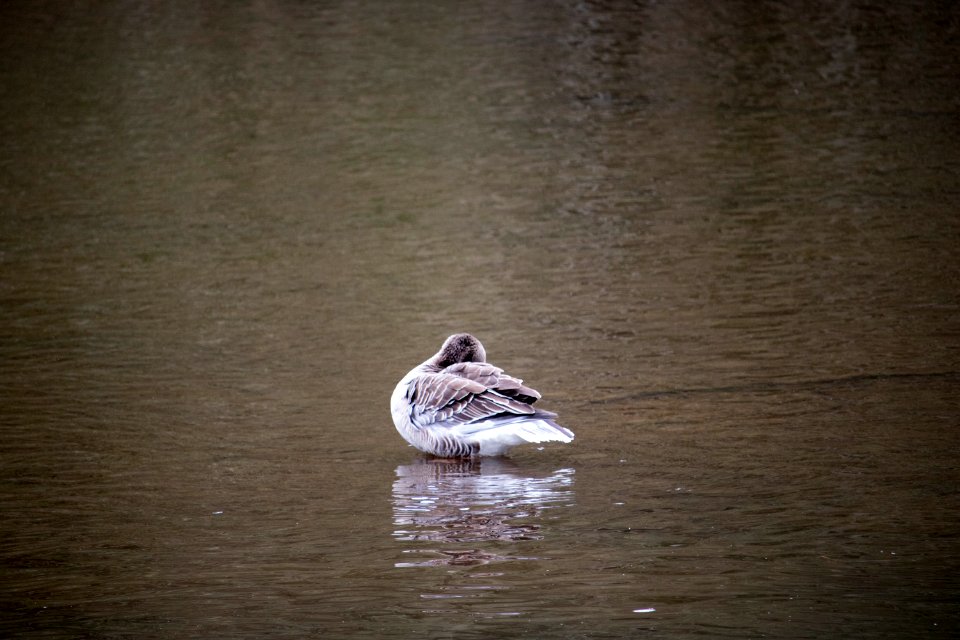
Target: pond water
point(722, 241)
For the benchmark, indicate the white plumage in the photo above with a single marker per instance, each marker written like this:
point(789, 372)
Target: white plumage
point(456, 404)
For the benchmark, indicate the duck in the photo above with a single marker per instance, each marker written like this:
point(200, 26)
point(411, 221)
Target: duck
point(457, 405)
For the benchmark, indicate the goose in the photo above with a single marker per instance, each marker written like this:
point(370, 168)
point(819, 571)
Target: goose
point(457, 405)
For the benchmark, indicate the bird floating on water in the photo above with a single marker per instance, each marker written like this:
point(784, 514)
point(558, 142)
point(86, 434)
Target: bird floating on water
point(457, 405)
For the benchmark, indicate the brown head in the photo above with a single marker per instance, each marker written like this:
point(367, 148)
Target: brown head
point(460, 347)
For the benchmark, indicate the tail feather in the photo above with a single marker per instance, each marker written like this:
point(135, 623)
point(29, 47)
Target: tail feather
point(497, 435)
point(541, 431)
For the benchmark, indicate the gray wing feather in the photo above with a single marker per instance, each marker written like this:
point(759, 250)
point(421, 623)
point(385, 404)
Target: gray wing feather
point(495, 379)
point(468, 392)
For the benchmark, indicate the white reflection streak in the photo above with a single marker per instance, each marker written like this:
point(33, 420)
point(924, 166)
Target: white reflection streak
point(470, 502)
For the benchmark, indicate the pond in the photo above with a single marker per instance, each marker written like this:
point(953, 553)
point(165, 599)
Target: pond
point(722, 242)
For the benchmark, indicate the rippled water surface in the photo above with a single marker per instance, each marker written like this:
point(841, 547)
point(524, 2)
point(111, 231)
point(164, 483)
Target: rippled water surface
point(722, 241)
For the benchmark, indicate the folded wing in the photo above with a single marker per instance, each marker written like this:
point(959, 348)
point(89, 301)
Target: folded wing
point(468, 392)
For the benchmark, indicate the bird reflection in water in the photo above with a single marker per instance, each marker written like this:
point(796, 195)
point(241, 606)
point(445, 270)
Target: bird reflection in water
point(461, 503)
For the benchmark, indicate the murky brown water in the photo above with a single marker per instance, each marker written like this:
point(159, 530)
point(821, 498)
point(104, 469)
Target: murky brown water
point(723, 242)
